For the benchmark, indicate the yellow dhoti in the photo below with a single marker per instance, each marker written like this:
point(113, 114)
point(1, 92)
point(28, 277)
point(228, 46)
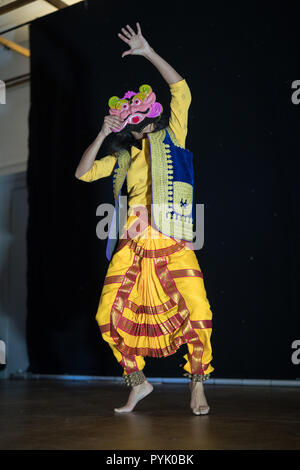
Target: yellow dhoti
point(153, 301)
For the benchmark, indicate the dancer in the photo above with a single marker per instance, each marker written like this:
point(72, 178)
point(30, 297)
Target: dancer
point(153, 298)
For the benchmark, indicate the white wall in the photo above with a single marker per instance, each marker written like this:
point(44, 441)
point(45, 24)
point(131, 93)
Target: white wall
point(13, 210)
point(14, 133)
point(13, 266)
point(14, 114)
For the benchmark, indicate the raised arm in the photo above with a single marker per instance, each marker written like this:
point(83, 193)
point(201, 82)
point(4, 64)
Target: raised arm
point(139, 46)
point(90, 169)
point(179, 89)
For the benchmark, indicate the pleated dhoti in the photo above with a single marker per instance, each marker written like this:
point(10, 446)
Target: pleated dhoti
point(154, 300)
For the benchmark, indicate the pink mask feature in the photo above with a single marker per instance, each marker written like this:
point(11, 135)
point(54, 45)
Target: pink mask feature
point(134, 107)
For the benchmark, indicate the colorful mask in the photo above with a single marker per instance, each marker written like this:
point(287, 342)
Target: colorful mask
point(134, 107)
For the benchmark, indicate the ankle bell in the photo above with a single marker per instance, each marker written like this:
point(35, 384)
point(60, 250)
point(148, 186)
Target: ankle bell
point(135, 378)
point(197, 377)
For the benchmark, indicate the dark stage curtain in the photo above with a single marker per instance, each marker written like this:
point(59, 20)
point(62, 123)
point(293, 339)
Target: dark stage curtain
point(239, 60)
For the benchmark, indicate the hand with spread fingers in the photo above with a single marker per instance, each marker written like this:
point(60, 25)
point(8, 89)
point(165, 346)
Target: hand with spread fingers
point(137, 43)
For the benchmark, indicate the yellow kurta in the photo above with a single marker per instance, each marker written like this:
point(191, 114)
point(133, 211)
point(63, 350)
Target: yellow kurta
point(153, 298)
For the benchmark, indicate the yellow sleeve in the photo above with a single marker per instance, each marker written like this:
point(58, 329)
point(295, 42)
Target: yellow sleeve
point(101, 168)
point(180, 102)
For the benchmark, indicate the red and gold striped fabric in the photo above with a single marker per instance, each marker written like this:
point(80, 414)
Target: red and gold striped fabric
point(154, 300)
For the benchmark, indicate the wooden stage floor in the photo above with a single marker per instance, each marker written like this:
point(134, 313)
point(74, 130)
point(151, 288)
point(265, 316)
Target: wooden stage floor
point(46, 414)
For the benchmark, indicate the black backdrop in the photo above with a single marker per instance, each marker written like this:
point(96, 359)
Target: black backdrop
point(239, 59)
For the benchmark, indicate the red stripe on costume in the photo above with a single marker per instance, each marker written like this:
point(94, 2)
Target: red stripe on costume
point(139, 250)
point(171, 289)
point(146, 329)
point(104, 328)
point(201, 324)
point(150, 310)
point(112, 279)
point(175, 274)
point(121, 298)
point(185, 273)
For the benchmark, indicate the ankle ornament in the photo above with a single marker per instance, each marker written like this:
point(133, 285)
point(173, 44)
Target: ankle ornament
point(197, 377)
point(135, 378)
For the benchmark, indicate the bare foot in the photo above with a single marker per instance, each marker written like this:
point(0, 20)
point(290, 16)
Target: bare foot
point(137, 393)
point(198, 402)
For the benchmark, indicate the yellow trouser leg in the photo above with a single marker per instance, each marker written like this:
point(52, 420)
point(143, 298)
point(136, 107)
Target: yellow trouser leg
point(198, 359)
point(129, 363)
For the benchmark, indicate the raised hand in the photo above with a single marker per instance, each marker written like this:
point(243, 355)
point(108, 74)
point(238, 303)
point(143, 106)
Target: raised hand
point(137, 43)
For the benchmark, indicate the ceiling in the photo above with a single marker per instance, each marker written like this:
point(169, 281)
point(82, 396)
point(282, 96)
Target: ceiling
point(25, 13)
